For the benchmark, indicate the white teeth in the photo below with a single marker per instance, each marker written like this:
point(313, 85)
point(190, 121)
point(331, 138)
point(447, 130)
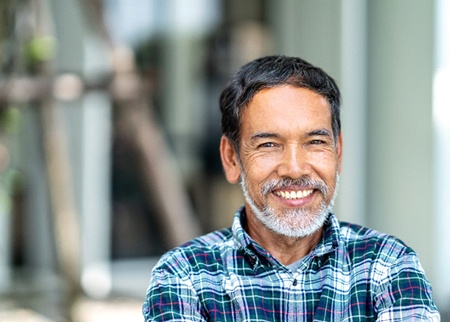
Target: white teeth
point(293, 194)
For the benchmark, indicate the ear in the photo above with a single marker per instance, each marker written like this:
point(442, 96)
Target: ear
point(230, 160)
point(339, 151)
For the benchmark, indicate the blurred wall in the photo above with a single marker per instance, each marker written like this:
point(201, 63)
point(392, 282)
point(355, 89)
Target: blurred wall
point(400, 154)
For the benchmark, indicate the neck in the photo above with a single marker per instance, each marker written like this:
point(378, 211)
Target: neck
point(286, 250)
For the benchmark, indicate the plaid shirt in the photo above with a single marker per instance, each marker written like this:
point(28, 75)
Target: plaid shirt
point(353, 274)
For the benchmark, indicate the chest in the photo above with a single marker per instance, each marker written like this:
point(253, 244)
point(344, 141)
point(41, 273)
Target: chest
point(326, 294)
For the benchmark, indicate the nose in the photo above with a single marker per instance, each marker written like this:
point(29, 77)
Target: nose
point(294, 163)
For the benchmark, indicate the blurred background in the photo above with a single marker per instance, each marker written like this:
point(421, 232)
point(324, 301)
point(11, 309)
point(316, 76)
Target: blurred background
point(109, 134)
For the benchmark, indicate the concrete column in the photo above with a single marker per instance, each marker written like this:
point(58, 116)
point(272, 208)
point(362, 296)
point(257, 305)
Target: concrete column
point(400, 155)
point(5, 239)
point(351, 205)
point(310, 30)
point(182, 112)
point(441, 122)
point(88, 126)
point(39, 242)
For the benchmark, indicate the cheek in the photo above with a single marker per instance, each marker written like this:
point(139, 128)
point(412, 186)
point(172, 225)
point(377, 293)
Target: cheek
point(253, 159)
point(325, 162)
point(257, 174)
point(259, 168)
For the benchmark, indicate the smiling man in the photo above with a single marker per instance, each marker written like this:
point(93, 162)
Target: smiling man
point(286, 256)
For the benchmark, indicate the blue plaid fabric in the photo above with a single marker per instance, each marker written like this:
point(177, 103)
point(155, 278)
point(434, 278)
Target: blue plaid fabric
point(353, 274)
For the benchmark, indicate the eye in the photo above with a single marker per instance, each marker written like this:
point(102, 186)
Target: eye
point(267, 145)
point(317, 142)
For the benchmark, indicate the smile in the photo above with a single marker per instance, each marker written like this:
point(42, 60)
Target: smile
point(289, 195)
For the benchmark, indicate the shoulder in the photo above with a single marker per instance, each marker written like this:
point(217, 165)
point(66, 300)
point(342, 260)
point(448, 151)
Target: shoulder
point(399, 288)
point(387, 260)
point(203, 252)
point(365, 243)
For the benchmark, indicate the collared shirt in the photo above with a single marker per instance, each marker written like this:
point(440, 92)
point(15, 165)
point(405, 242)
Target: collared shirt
point(353, 274)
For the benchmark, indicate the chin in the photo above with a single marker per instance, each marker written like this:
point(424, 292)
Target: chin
point(295, 223)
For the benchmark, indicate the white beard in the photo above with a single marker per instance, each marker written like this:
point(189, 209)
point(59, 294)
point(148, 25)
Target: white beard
point(295, 223)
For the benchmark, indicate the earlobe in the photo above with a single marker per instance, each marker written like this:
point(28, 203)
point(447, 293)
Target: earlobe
point(230, 160)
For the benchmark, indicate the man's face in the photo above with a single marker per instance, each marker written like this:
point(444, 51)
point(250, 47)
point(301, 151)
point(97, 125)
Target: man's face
point(289, 159)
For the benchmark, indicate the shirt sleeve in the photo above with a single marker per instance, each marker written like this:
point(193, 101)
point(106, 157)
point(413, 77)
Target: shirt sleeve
point(171, 298)
point(404, 294)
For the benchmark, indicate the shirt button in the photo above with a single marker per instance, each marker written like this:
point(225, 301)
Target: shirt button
point(294, 283)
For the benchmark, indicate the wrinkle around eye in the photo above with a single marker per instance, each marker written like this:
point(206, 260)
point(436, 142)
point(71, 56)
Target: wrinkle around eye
point(320, 146)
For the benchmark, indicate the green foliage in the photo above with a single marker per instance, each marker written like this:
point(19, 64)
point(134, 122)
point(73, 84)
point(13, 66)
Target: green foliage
point(40, 49)
point(10, 120)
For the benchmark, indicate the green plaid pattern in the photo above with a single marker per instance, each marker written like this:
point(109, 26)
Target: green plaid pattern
point(353, 274)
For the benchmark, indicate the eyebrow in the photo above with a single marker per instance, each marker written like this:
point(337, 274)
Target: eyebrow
point(264, 135)
point(320, 132)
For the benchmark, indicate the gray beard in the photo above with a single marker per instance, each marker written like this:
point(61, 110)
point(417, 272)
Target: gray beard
point(296, 223)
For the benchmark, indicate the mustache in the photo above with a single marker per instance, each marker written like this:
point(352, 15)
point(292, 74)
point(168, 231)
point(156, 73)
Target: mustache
point(300, 183)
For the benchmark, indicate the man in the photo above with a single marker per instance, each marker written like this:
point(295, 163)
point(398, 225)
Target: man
point(286, 256)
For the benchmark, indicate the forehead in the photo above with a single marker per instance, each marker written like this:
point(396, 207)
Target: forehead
point(287, 107)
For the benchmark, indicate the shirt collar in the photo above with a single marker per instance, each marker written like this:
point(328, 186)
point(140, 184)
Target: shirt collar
point(330, 239)
point(240, 235)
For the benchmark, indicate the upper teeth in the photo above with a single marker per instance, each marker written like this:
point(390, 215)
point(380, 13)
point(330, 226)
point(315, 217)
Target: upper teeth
point(293, 194)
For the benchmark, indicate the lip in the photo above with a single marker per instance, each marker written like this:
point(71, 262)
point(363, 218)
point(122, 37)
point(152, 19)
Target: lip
point(297, 202)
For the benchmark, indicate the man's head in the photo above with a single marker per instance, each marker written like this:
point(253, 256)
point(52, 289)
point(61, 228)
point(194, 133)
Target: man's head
point(282, 141)
point(272, 71)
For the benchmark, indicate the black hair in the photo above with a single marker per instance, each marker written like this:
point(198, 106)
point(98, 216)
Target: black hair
point(272, 71)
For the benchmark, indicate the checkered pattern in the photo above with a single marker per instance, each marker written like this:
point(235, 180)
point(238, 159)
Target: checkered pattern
point(353, 274)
